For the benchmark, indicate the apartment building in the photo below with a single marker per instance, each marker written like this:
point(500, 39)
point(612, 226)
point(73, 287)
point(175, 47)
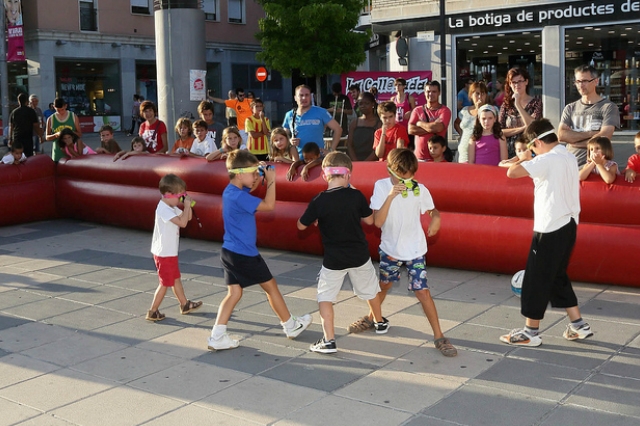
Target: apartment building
point(485, 38)
point(98, 53)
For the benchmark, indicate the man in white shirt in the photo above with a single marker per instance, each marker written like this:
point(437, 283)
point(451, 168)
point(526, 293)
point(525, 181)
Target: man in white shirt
point(556, 208)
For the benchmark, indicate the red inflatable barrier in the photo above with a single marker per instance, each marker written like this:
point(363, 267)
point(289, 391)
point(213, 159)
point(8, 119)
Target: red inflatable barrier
point(486, 217)
point(28, 191)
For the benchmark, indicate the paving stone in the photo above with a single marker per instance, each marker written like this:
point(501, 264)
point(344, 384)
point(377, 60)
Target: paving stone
point(485, 288)
point(195, 415)
point(450, 309)
point(71, 269)
point(45, 308)
point(73, 349)
point(135, 330)
point(184, 343)
point(607, 310)
point(135, 303)
point(97, 294)
point(143, 282)
point(572, 415)
point(609, 393)
point(16, 368)
point(14, 413)
point(46, 419)
point(31, 335)
point(475, 337)
point(17, 297)
point(87, 318)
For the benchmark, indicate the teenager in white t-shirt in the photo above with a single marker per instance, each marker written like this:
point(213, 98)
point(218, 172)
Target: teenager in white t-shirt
point(556, 208)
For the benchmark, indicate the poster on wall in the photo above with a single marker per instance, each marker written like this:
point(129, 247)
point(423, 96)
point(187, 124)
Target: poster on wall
point(15, 38)
point(383, 82)
point(197, 90)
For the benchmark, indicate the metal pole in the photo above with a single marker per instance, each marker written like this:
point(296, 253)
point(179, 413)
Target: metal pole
point(443, 53)
point(4, 77)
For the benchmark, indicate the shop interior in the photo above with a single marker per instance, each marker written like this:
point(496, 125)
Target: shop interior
point(90, 88)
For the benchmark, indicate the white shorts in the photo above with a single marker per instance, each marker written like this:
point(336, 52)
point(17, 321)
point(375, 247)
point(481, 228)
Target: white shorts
point(363, 279)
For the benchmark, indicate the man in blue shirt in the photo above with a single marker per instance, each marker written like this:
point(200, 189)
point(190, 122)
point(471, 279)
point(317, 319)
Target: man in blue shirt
point(306, 123)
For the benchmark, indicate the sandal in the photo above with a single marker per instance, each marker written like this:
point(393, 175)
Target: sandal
point(154, 316)
point(189, 306)
point(445, 347)
point(362, 324)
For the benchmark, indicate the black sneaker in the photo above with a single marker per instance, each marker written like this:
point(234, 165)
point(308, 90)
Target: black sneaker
point(324, 347)
point(382, 327)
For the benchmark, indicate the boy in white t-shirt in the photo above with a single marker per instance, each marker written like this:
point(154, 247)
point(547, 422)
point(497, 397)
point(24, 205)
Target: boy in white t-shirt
point(16, 156)
point(164, 244)
point(397, 203)
point(203, 144)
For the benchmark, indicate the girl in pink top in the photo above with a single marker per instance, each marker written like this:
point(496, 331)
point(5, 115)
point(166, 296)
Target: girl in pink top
point(71, 144)
point(405, 103)
point(600, 160)
point(487, 145)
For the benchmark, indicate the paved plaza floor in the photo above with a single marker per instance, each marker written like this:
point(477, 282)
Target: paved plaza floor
point(75, 348)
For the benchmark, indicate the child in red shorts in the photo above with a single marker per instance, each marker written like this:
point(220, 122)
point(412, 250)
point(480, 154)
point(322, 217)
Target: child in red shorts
point(165, 242)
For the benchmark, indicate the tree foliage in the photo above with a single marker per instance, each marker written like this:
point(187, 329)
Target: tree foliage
point(315, 36)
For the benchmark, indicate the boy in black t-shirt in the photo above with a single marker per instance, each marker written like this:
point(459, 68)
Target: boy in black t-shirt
point(338, 212)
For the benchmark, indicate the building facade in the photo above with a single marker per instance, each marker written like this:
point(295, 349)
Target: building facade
point(549, 38)
point(98, 53)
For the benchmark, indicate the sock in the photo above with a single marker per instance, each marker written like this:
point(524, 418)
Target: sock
point(532, 331)
point(578, 323)
point(218, 331)
point(290, 323)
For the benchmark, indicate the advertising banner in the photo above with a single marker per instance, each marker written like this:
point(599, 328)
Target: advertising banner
point(383, 82)
point(15, 37)
point(197, 85)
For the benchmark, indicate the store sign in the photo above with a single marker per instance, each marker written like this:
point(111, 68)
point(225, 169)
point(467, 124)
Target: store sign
point(550, 14)
point(383, 82)
point(15, 37)
point(197, 90)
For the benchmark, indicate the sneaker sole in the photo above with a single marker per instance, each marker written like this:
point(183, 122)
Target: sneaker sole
point(190, 310)
point(383, 331)
point(324, 351)
point(154, 319)
point(505, 339)
point(577, 337)
point(211, 348)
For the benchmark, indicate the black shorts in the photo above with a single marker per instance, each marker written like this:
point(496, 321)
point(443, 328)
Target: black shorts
point(545, 278)
point(244, 270)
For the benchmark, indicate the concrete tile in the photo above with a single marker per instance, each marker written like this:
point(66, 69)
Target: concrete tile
point(453, 275)
point(55, 389)
point(127, 364)
point(71, 269)
point(74, 349)
point(15, 368)
point(485, 288)
point(398, 389)
point(185, 343)
point(142, 282)
point(247, 323)
point(296, 306)
point(36, 264)
point(607, 334)
point(31, 335)
point(117, 406)
point(276, 400)
point(249, 298)
point(10, 321)
point(189, 381)
point(45, 308)
point(486, 406)
point(194, 415)
point(609, 393)
point(583, 355)
point(97, 294)
point(191, 255)
point(135, 303)
point(196, 290)
point(107, 275)
point(606, 310)
point(621, 294)
point(60, 287)
point(13, 413)
point(323, 372)
point(251, 357)
point(451, 309)
point(16, 297)
point(301, 258)
point(502, 316)
point(573, 415)
point(135, 330)
point(533, 378)
point(625, 364)
point(46, 419)
point(481, 338)
point(334, 410)
point(191, 270)
point(88, 318)
point(277, 266)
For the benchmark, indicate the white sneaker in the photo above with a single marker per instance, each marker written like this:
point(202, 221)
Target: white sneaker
point(224, 342)
point(573, 333)
point(300, 325)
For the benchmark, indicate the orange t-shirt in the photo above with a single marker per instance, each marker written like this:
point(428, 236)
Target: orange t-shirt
point(186, 144)
point(391, 139)
point(242, 108)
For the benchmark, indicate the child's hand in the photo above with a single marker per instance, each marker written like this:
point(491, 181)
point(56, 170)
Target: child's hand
point(433, 229)
point(269, 172)
point(305, 173)
point(397, 189)
point(630, 175)
point(597, 158)
point(295, 141)
point(187, 201)
point(291, 173)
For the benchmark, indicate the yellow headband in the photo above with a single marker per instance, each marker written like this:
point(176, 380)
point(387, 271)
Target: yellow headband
point(244, 170)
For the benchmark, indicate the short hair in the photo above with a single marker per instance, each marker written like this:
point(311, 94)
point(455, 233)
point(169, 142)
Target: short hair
point(401, 81)
point(106, 128)
point(59, 102)
point(23, 99)
point(605, 145)
point(538, 127)
point(587, 68)
point(256, 101)
point(200, 124)
point(32, 97)
point(354, 87)
point(434, 83)
point(311, 148)
point(239, 89)
point(16, 145)
point(140, 140)
point(148, 105)
point(205, 106)
point(479, 85)
point(302, 86)
point(238, 159)
point(440, 140)
point(387, 106)
point(336, 88)
point(171, 183)
point(402, 160)
point(337, 159)
point(183, 122)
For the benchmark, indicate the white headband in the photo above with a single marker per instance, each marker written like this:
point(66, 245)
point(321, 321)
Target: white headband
point(545, 134)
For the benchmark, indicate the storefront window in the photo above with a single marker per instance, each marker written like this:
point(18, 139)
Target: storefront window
point(147, 81)
point(489, 57)
point(90, 88)
point(615, 52)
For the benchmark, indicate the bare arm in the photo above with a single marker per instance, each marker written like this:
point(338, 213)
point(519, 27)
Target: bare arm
point(516, 171)
point(350, 150)
point(183, 219)
point(472, 152)
point(504, 151)
point(434, 226)
point(269, 202)
point(587, 169)
point(579, 139)
point(380, 216)
point(368, 220)
point(337, 133)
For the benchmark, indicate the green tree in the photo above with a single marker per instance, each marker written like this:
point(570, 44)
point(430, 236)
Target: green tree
point(316, 37)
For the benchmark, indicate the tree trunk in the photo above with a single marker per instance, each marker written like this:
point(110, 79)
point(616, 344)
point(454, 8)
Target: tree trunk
point(318, 90)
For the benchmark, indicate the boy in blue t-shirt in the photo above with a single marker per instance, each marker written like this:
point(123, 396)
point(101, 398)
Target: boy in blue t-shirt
point(243, 265)
point(338, 212)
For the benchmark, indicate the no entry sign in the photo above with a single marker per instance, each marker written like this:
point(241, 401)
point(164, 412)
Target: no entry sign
point(262, 74)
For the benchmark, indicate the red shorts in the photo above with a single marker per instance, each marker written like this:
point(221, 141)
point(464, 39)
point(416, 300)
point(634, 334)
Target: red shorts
point(168, 269)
